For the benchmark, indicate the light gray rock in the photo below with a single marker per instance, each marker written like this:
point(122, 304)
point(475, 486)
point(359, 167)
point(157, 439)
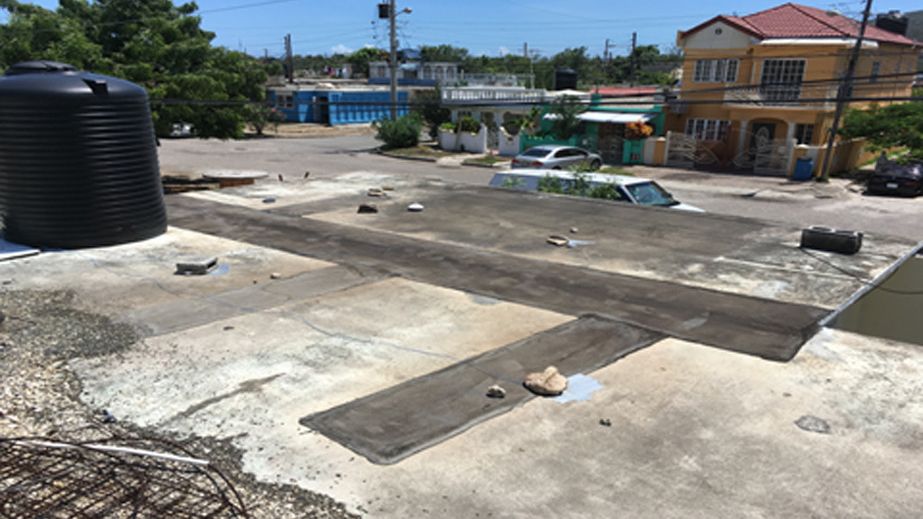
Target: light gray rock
point(546, 383)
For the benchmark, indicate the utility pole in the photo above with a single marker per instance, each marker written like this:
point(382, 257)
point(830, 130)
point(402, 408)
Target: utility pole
point(289, 61)
point(632, 61)
point(606, 51)
point(525, 54)
point(844, 92)
point(392, 25)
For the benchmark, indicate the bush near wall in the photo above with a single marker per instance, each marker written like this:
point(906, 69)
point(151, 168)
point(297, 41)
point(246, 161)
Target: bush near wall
point(402, 132)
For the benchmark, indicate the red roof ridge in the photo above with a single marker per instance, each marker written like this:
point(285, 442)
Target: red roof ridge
point(806, 10)
point(791, 20)
point(742, 21)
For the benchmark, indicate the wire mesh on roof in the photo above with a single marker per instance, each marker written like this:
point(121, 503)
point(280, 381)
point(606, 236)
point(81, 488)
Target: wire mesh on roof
point(110, 478)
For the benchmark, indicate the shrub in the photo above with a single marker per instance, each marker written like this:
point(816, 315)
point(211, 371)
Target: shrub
point(449, 126)
point(605, 192)
point(580, 186)
point(468, 124)
point(513, 182)
point(403, 132)
point(550, 184)
point(514, 126)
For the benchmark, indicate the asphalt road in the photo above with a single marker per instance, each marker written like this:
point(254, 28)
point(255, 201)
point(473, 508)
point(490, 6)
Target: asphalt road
point(833, 205)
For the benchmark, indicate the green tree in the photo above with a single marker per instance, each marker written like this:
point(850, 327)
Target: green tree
point(564, 112)
point(892, 126)
point(447, 53)
point(361, 58)
point(154, 43)
point(428, 106)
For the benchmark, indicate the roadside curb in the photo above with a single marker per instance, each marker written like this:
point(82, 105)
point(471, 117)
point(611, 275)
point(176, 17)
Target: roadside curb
point(405, 157)
point(498, 165)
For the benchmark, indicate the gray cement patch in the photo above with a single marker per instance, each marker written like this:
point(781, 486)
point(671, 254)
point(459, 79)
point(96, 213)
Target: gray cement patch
point(393, 424)
point(735, 255)
point(173, 316)
point(769, 329)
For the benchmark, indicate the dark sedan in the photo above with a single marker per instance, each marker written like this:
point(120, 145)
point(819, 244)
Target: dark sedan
point(891, 178)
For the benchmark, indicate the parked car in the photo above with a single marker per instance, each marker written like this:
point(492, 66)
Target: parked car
point(892, 178)
point(181, 130)
point(633, 190)
point(556, 157)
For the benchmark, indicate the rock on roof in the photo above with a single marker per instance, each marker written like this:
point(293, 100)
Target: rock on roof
point(800, 21)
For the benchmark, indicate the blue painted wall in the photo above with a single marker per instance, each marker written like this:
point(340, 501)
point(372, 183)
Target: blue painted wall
point(402, 81)
point(344, 107)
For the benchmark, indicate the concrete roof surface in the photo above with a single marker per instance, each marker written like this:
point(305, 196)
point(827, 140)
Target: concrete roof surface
point(375, 319)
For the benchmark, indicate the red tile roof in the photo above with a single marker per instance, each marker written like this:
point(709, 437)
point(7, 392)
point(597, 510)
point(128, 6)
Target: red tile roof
point(627, 91)
point(800, 21)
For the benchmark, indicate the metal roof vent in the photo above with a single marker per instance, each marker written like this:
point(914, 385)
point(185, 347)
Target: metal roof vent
point(78, 159)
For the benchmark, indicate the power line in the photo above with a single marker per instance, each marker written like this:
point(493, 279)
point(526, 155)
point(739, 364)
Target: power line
point(609, 102)
point(867, 282)
point(120, 21)
point(245, 6)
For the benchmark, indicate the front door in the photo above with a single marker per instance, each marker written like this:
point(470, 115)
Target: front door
point(761, 132)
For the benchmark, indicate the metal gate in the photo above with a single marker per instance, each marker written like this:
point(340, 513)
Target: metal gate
point(610, 142)
point(772, 157)
point(681, 150)
point(766, 156)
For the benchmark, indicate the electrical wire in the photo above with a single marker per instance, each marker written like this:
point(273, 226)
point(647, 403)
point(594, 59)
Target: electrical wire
point(500, 104)
point(867, 282)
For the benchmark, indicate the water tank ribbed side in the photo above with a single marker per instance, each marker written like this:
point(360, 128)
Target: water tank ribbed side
point(79, 172)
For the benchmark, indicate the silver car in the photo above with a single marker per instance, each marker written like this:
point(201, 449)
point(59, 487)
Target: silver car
point(556, 157)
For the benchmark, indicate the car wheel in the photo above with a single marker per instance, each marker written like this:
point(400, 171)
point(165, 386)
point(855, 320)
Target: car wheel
point(595, 165)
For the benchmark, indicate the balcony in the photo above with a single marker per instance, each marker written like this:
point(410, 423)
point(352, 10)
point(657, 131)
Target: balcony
point(797, 96)
point(491, 96)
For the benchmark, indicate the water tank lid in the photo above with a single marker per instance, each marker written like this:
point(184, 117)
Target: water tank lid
point(34, 67)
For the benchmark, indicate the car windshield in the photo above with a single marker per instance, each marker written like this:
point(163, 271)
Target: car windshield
point(536, 152)
point(650, 193)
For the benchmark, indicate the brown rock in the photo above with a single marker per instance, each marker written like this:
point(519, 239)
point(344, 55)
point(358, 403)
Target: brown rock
point(547, 383)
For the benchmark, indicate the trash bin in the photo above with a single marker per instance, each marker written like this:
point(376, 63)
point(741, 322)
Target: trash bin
point(804, 169)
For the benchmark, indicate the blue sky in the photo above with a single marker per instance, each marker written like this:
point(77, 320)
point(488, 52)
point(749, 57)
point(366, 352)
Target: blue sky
point(489, 27)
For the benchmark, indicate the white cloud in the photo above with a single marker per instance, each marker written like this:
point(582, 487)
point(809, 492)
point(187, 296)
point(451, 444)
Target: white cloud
point(340, 49)
point(504, 51)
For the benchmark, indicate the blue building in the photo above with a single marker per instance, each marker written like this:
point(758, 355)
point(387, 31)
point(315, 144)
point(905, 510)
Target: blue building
point(335, 107)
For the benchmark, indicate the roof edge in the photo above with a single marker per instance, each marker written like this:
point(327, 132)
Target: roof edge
point(722, 18)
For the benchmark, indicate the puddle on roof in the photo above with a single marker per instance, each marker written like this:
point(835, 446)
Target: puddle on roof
point(894, 310)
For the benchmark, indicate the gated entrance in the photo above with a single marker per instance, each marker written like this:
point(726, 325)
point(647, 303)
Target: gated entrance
point(610, 141)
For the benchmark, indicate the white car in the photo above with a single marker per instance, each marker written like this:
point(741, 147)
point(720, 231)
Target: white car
point(634, 190)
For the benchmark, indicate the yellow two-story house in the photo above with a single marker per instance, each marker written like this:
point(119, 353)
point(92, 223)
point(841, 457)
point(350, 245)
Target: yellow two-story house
point(769, 81)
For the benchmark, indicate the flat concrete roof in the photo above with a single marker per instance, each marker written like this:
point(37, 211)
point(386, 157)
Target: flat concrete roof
point(328, 343)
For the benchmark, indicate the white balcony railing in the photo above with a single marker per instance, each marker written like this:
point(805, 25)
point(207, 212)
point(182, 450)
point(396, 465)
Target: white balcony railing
point(491, 96)
point(793, 96)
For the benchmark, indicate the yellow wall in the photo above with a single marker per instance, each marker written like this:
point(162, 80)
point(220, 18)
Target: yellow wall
point(823, 62)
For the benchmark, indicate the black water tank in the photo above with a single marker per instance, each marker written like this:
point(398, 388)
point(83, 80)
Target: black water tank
point(893, 22)
point(78, 159)
point(565, 79)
